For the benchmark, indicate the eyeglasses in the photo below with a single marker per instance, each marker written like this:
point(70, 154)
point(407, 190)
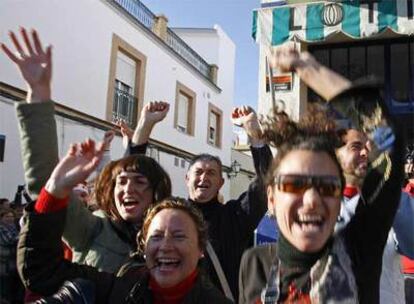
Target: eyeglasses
point(326, 185)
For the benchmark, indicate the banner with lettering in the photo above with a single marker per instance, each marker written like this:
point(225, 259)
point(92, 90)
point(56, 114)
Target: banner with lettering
point(317, 21)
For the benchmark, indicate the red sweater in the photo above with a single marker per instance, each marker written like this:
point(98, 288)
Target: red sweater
point(46, 202)
point(174, 294)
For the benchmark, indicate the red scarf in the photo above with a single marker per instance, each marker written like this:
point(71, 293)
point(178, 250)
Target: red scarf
point(350, 191)
point(174, 294)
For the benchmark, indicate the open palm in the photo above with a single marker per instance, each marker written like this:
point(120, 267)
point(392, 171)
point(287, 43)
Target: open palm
point(75, 167)
point(34, 63)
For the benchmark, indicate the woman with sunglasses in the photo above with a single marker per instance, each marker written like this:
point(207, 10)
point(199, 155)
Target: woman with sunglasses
point(309, 264)
point(172, 239)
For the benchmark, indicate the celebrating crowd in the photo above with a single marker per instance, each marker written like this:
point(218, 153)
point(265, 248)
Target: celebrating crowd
point(334, 192)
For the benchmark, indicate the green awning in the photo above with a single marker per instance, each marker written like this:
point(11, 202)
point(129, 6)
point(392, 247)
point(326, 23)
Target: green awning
point(316, 21)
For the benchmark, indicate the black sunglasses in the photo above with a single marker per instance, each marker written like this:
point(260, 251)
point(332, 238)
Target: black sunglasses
point(326, 185)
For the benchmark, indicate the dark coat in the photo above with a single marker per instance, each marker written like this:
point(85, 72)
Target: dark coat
point(231, 225)
point(43, 269)
point(254, 271)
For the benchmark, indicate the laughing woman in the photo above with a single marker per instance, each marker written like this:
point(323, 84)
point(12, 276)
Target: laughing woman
point(172, 239)
point(309, 264)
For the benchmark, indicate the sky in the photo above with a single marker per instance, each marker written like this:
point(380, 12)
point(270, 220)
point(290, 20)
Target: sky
point(235, 18)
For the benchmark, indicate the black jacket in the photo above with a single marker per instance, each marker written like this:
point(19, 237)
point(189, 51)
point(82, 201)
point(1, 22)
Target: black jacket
point(43, 269)
point(231, 225)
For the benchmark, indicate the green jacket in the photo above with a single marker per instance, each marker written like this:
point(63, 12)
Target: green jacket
point(94, 239)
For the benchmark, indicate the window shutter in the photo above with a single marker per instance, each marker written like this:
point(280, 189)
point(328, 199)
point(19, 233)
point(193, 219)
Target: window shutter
point(182, 117)
point(126, 70)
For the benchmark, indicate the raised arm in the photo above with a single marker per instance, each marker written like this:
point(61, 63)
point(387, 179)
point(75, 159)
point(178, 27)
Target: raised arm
point(321, 79)
point(35, 116)
point(246, 118)
point(40, 257)
point(151, 114)
point(253, 202)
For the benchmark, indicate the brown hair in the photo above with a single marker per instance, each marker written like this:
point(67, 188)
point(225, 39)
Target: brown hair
point(6, 210)
point(177, 204)
point(315, 131)
point(105, 184)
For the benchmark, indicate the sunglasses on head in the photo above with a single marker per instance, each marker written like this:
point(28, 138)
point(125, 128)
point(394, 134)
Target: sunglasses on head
point(325, 185)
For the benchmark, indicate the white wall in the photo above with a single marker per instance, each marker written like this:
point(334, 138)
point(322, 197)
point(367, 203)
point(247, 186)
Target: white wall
point(11, 169)
point(217, 48)
point(81, 34)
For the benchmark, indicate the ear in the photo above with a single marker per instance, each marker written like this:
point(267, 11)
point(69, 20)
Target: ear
point(221, 182)
point(270, 199)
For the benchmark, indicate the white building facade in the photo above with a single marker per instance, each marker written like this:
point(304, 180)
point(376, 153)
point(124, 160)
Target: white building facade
point(109, 59)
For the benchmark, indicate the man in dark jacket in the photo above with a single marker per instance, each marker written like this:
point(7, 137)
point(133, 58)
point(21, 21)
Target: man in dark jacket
point(231, 224)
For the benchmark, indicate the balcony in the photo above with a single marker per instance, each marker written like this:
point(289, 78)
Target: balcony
point(124, 107)
point(186, 52)
point(140, 13)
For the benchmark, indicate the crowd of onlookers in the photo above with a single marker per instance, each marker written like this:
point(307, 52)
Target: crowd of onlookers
point(11, 287)
point(97, 230)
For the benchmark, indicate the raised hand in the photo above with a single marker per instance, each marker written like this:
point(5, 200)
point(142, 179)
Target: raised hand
point(126, 132)
point(107, 139)
point(155, 111)
point(288, 59)
point(246, 118)
point(151, 114)
point(321, 79)
point(34, 64)
point(75, 167)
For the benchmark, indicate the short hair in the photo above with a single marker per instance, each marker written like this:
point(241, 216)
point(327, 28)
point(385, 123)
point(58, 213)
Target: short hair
point(4, 200)
point(6, 210)
point(176, 204)
point(105, 184)
point(208, 158)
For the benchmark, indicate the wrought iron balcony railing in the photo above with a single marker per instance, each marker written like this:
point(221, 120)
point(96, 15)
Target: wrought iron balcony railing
point(144, 16)
point(185, 51)
point(139, 11)
point(124, 107)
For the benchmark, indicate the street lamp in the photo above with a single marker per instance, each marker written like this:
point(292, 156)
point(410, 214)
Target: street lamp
point(234, 169)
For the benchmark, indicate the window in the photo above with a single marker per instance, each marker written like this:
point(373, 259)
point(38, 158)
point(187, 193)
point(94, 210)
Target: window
point(375, 54)
point(400, 72)
point(184, 116)
point(391, 61)
point(125, 103)
point(179, 162)
point(214, 126)
point(126, 82)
